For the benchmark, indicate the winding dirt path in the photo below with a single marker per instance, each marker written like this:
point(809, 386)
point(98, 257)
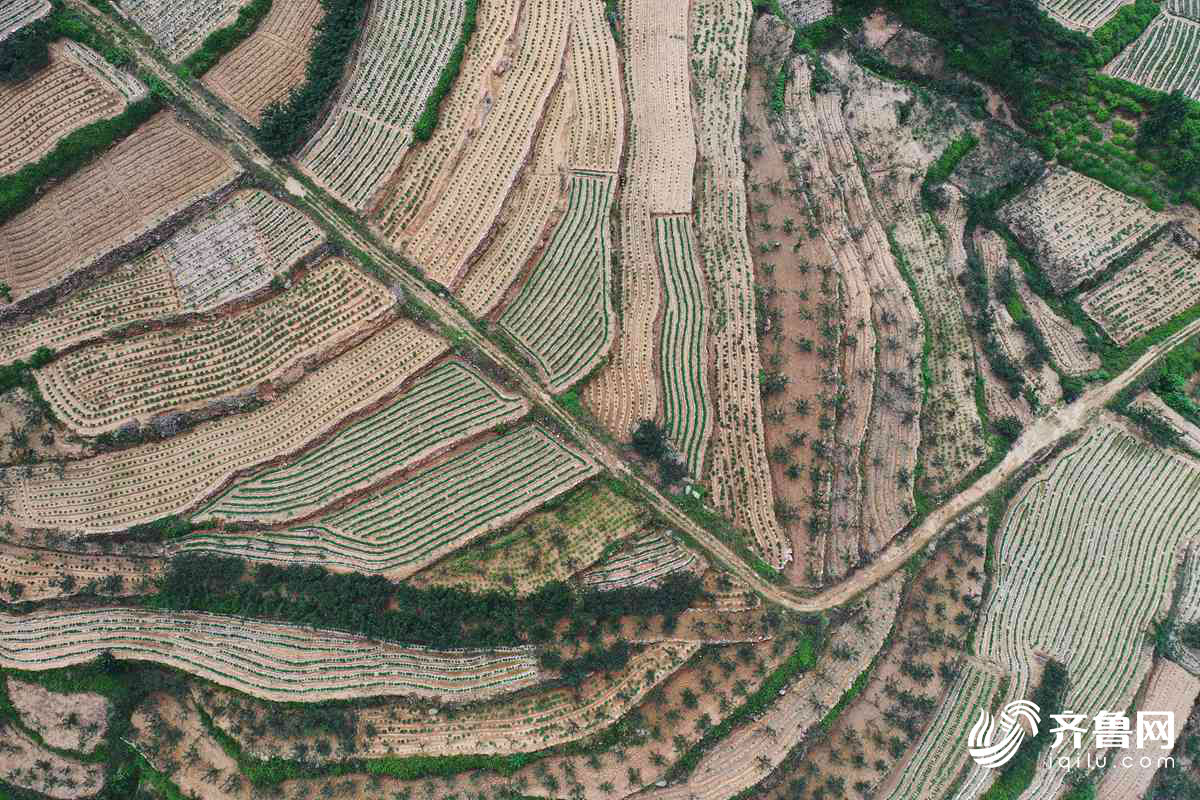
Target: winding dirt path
point(1035, 441)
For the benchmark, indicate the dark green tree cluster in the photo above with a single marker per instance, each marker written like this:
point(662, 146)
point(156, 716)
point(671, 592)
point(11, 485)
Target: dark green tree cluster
point(286, 125)
point(438, 616)
point(223, 40)
point(1015, 776)
point(26, 52)
point(1170, 135)
point(427, 123)
point(1172, 375)
point(17, 373)
point(651, 443)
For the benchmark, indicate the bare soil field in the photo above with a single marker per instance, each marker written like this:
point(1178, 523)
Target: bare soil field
point(66, 721)
point(1077, 226)
point(271, 661)
point(29, 765)
point(268, 65)
point(103, 386)
point(29, 574)
point(72, 92)
point(156, 172)
point(179, 26)
point(1160, 283)
point(112, 491)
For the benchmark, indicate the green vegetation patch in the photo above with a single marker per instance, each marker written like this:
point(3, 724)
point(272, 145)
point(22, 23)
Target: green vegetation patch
point(222, 41)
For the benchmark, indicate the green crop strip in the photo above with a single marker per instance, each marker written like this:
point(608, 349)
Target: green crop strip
point(428, 121)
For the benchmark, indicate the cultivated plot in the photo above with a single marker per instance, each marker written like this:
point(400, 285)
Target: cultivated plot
point(400, 56)
point(1165, 57)
point(273, 661)
point(155, 173)
point(267, 66)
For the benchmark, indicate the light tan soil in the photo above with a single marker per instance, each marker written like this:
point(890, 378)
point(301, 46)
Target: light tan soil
point(25, 763)
point(65, 721)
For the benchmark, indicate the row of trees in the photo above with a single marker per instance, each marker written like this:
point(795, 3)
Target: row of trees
point(437, 616)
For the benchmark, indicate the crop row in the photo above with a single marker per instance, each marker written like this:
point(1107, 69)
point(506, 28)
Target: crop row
point(563, 315)
point(1082, 15)
point(237, 249)
point(16, 14)
point(939, 753)
point(180, 26)
point(441, 409)
point(112, 491)
point(400, 529)
point(57, 100)
point(1076, 225)
point(1165, 57)
point(661, 156)
point(1105, 520)
point(400, 55)
point(683, 350)
point(1162, 282)
point(156, 172)
point(273, 661)
point(493, 150)
point(739, 474)
point(97, 388)
point(268, 65)
point(646, 559)
point(1184, 8)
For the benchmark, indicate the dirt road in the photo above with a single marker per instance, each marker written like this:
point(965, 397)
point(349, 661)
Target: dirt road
point(1037, 438)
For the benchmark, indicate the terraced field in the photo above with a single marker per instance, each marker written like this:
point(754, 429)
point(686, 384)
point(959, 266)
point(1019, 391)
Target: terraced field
point(270, 63)
point(563, 316)
point(442, 408)
point(683, 351)
point(444, 205)
point(29, 574)
point(179, 26)
point(1184, 8)
point(110, 492)
point(1165, 57)
point(158, 171)
point(98, 388)
point(1161, 283)
point(1109, 516)
point(271, 661)
point(658, 180)
point(78, 88)
point(1077, 226)
point(19, 13)
point(1082, 15)
point(738, 472)
point(400, 529)
point(644, 560)
point(400, 56)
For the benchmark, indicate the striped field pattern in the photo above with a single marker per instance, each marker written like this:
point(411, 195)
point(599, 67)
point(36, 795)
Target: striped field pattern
point(683, 353)
point(1165, 57)
point(408, 526)
point(270, 660)
point(442, 408)
point(1106, 520)
point(563, 316)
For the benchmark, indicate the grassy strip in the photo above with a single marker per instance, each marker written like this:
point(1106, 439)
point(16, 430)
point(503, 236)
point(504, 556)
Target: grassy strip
point(285, 126)
point(941, 170)
point(428, 121)
point(223, 40)
point(802, 659)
